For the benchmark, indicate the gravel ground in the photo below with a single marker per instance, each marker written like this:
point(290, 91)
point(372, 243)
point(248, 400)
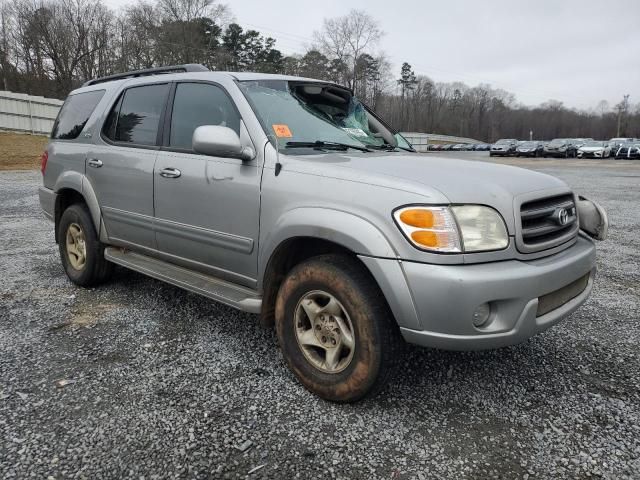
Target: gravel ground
point(140, 379)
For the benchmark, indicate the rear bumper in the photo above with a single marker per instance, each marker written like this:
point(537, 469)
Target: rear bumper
point(444, 298)
point(47, 202)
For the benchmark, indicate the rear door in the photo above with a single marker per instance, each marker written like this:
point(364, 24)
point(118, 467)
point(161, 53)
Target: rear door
point(120, 166)
point(207, 209)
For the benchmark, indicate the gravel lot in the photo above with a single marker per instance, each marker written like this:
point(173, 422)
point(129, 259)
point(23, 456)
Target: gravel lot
point(141, 379)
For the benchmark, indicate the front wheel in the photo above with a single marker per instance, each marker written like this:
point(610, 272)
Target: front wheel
point(335, 329)
point(81, 252)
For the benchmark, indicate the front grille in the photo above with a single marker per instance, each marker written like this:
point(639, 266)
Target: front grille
point(553, 300)
point(548, 222)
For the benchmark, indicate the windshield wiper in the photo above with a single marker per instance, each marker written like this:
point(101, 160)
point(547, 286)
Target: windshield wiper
point(386, 147)
point(322, 145)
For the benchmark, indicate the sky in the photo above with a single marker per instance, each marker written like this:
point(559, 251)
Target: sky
point(576, 52)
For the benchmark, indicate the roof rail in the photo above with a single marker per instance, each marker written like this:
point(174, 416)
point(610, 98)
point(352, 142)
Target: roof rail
point(190, 67)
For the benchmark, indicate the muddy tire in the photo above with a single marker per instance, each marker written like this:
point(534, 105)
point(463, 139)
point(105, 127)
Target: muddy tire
point(81, 252)
point(335, 329)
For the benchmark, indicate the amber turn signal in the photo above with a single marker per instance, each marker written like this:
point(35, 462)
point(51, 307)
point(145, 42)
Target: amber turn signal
point(419, 218)
point(430, 239)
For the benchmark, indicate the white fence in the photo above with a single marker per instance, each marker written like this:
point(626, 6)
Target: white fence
point(421, 140)
point(27, 113)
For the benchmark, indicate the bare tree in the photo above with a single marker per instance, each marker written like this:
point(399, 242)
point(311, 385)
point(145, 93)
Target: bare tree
point(346, 38)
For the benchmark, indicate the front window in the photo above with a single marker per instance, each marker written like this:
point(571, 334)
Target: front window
point(594, 144)
point(299, 114)
point(558, 142)
point(197, 104)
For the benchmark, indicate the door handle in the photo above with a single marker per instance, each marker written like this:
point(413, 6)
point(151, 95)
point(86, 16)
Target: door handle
point(94, 162)
point(170, 172)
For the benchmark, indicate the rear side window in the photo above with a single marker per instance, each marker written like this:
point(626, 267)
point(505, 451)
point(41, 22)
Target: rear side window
point(74, 114)
point(197, 104)
point(136, 115)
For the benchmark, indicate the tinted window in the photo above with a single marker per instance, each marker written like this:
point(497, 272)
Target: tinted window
point(197, 104)
point(136, 115)
point(74, 114)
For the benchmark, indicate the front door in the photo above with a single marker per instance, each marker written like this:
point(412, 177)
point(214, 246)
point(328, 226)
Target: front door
point(207, 209)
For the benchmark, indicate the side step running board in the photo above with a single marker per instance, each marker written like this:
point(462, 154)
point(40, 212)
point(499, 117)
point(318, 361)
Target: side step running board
point(220, 290)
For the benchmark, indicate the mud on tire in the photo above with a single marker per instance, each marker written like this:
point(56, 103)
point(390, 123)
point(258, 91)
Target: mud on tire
point(377, 343)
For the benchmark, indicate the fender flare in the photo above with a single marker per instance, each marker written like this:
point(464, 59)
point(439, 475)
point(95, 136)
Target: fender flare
point(346, 229)
point(72, 180)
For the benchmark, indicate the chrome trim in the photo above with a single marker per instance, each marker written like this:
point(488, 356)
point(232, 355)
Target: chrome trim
point(566, 240)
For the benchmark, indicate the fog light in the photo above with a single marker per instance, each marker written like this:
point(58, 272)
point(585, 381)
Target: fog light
point(481, 315)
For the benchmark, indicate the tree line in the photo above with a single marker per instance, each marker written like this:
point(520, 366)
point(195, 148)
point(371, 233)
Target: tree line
point(50, 47)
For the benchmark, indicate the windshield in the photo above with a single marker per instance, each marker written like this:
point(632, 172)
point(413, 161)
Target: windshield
point(504, 140)
point(594, 144)
point(529, 144)
point(557, 141)
point(297, 114)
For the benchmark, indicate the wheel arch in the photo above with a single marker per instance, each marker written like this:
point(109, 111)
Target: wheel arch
point(73, 187)
point(297, 239)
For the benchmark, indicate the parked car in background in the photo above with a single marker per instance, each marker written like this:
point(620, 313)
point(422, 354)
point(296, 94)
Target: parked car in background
point(504, 146)
point(447, 147)
point(560, 147)
point(578, 142)
point(628, 151)
point(617, 142)
point(531, 148)
point(458, 146)
point(594, 149)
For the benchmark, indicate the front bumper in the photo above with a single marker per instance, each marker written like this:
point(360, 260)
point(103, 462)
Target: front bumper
point(598, 154)
point(444, 298)
point(556, 153)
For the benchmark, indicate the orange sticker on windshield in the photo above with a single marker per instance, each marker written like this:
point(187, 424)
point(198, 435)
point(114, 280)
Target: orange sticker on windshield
point(282, 131)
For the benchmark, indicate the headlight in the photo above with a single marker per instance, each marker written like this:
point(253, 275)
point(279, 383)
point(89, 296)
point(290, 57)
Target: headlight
point(481, 228)
point(463, 228)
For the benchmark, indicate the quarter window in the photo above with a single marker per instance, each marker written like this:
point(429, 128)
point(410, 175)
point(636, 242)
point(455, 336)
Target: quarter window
point(197, 104)
point(74, 114)
point(136, 115)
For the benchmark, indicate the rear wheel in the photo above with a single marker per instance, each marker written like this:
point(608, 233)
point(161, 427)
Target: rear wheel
point(335, 329)
point(81, 252)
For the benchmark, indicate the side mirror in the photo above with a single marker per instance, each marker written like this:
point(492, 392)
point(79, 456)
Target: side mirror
point(220, 141)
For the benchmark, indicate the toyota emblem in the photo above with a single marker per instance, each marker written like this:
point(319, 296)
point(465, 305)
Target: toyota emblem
point(562, 216)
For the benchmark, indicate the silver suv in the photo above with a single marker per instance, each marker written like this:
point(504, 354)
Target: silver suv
point(288, 198)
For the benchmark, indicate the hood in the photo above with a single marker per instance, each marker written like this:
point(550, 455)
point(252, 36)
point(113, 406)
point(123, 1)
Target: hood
point(439, 179)
point(591, 149)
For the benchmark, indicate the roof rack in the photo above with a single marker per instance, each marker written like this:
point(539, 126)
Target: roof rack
point(190, 67)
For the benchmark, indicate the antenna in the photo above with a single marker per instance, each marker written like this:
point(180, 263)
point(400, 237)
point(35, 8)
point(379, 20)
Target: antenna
point(278, 164)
